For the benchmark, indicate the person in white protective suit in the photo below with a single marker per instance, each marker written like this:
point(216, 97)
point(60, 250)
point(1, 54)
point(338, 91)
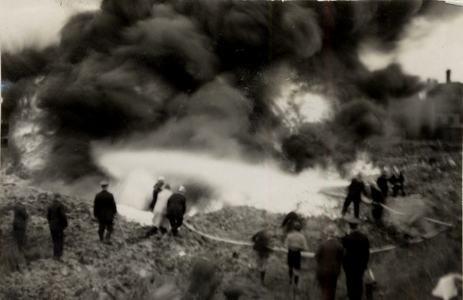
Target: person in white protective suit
point(160, 210)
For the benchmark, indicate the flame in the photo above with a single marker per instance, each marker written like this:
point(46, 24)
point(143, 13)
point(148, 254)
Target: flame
point(364, 165)
point(27, 136)
point(298, 106)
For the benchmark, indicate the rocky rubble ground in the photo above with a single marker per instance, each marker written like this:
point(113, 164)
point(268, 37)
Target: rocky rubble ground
point(133, 267)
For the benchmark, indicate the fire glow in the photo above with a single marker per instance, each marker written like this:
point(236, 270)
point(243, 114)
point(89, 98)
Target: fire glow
point(299, 106)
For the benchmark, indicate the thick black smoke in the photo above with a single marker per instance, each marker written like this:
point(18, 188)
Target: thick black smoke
point(198, 74)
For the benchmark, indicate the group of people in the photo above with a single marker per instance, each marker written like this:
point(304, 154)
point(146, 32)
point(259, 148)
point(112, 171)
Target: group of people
point(168, 208)
point(57, 222)
point(352, 252)
point(378, 191)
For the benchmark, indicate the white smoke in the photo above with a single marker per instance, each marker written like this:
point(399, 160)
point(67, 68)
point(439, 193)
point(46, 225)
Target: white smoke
point(233, 183)
point(37, 23)
point(427, 48)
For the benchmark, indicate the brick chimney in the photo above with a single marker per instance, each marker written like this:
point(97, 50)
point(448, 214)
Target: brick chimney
point(448, 75)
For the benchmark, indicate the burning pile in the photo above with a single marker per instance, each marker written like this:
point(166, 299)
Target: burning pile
point(234, 80)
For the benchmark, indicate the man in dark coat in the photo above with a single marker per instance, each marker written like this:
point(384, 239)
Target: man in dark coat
point(262, 248)
point(156, 190)
point(382, 184)
point(397, 181)
point(329, 259)
point(105, 210)
point(20, 224)
point(355, 261)
point(378, 199)
point(356, 188)
point(176, 207)
point(57, 221)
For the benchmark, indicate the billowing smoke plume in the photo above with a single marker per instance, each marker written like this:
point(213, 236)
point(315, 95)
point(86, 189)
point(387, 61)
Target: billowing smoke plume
point(205, 75)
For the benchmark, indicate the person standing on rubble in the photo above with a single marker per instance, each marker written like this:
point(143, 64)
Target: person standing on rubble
point(382, 183)
point(397, 181)
point(329, 258)
point(176, 207)
point(160, 212)
point(295, 243)
point(357, 247)
point(356, 188)
point(262, 248)
point(105, 210)
point(20, 224)
point(157, 188)
point(57, 221)
point(378, 200)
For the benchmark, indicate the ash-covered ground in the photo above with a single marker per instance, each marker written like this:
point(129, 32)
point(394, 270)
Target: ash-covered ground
point(133, 267)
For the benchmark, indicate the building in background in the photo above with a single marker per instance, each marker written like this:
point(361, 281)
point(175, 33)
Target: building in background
point(442, 111)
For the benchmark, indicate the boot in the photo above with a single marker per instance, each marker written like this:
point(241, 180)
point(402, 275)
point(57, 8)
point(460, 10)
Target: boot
point(108, 238)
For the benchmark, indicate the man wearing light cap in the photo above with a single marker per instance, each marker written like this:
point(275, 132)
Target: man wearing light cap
point(176, 207)
point(329, 259)
point(104, 210)
point(156, 190)
point(355, 262)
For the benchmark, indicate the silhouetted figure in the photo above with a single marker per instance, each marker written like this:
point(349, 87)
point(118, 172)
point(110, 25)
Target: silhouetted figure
point(329, 259)
point(355, 262)
point(204, 280)
point(378, 199)
point(262, 248)
point(57, 221)
point(382, 183)
point(20, 224)
point(397, 181)
point(356, 188)
point(289, 220)
point(295, 243)
point(176, 207)
point(156, 190)
point(105, 210)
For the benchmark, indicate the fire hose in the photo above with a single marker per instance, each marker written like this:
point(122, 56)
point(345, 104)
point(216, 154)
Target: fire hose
point(311, 254)
point(394, 211)
point(304, 253)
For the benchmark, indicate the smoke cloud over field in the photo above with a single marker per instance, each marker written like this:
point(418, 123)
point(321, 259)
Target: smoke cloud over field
point(239, 80)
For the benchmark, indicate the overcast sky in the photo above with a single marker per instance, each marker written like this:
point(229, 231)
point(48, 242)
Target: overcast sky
point(427, 49)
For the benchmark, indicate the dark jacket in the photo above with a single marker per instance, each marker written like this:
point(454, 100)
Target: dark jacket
point(357, 255)
point(104, 207)
point(156, 191)
point(20, 216)
point(382, 183)
point(261, 243)
point(397, 180)
point(329, 258)
point(290, 219)
point(377, 195)
point(356, 188)
point(56, 216)
point(176, 205)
